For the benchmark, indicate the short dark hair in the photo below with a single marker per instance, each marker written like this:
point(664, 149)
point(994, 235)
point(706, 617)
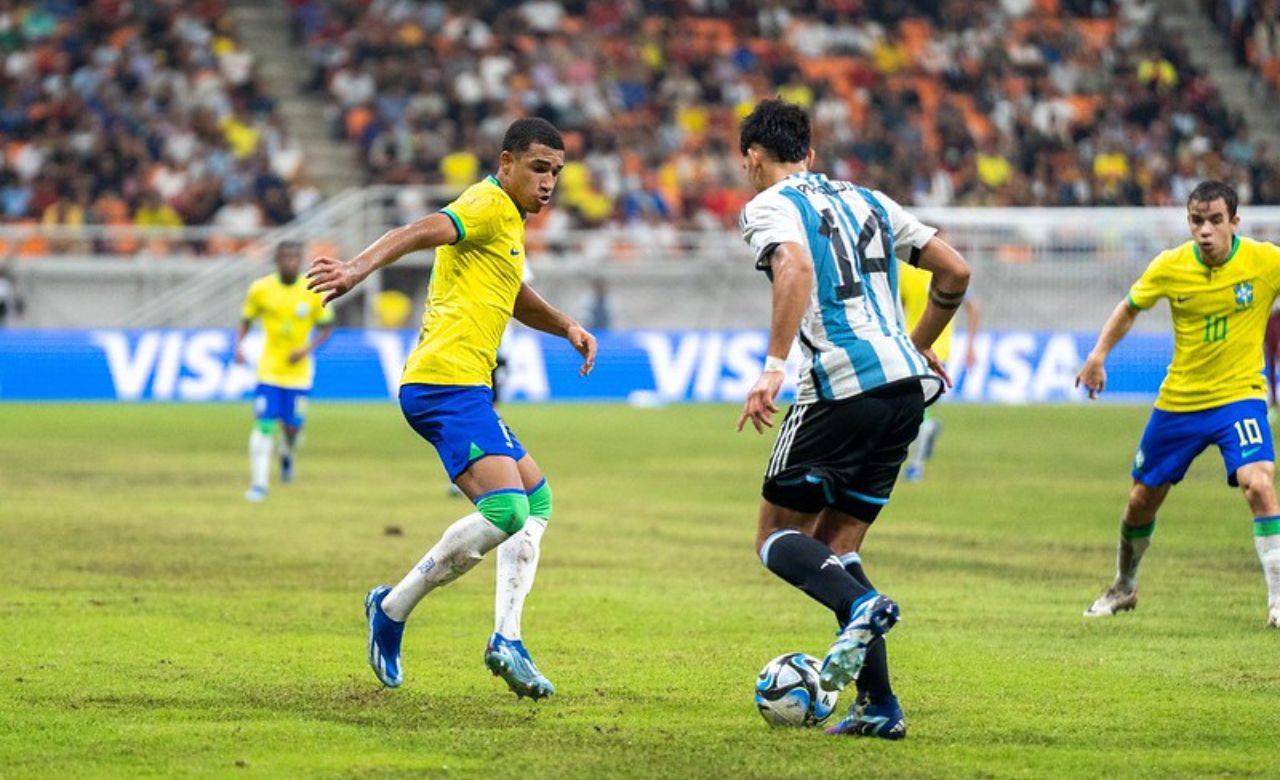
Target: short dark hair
point(781, 129)
point(531, 130)
point(285, 247)
point(1211, 190)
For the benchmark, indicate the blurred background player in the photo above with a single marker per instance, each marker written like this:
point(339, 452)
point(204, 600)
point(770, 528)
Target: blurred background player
point(913, 289)
point(1220, 288)
point(294, 325)
point(447, 397)
point(1270, 345)
point(829, 249)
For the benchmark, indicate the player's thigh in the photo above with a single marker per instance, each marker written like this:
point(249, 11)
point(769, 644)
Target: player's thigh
point(293, 411)
point(530, 473)
point(1170, 442)
point(865, 485)
point(1243, 436)
point(773, 518)
point(840, 531)
point(487, 474)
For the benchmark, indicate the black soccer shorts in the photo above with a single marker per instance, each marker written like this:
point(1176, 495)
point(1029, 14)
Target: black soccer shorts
point(844, 454)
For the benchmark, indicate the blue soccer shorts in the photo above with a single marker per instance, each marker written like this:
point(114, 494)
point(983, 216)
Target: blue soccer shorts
point(460, 422)
point(286, 404)
point(1173, 439)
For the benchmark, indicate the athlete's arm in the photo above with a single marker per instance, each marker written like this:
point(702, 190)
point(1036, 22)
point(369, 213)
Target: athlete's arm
point(533, 310)
point(322, 334)
point(792, 285)
point(946, 294)
point(241, 332)
point(336, 278)
point(1093, 374)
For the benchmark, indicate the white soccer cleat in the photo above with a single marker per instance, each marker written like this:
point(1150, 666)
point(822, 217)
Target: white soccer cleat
point(255, 495)
point(1273, 619)
point(1112, 601)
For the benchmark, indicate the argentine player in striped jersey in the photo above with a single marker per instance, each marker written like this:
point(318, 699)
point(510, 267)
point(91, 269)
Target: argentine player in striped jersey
point(1220, 289)
point(446, 397)
point(831, 250)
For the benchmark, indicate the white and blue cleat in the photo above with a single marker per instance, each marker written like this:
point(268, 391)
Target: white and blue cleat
point(872, 616)
point(255, 494)
point(884, 720)
point(384, 639)
point(508, 659)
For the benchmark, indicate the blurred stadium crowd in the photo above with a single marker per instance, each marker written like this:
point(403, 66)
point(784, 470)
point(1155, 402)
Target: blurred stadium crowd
point(966, 102)
point(145, 113)
point(151, 113)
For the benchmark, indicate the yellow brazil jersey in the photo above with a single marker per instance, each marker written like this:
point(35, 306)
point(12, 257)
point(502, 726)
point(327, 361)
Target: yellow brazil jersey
point(1219, 318)
point(473, 290)
point(289, 312)
point(913, 288)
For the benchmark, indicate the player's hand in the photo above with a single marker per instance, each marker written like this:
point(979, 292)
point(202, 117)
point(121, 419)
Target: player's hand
point(1093, 375)
point(331, 276)
point(760, 406)
point(936, 366)
point(296, 355)
point(585, 343)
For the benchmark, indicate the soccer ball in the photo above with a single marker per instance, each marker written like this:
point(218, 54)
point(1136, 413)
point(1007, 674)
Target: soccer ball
point(788, 694)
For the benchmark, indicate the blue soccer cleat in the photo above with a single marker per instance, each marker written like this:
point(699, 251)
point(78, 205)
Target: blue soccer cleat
point(384, 639)
point(914, 473)
point(872, 616)
point(508, 659)
point(286, 468)
point(884, 720)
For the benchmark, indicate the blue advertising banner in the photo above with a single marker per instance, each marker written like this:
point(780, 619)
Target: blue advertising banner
point(643, 367)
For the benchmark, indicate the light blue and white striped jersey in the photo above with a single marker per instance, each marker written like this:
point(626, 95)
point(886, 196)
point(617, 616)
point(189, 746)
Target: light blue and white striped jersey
point(852, 333)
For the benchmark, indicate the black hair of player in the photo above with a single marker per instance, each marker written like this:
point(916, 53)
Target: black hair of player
point(1211, 190)
point(528, 131)
point(779, 127)
point(286, 247)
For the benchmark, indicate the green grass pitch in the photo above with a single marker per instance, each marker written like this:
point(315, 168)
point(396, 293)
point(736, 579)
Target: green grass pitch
point(153, 624)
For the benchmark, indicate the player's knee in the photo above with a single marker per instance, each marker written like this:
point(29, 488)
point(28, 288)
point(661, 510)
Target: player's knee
point(507, 510)
point(1258, 482)
point(540, 501)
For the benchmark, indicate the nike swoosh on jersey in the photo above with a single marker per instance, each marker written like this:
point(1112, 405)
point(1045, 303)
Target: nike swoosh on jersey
point(515, 252)
point(1249, 451)
point(1183, 298)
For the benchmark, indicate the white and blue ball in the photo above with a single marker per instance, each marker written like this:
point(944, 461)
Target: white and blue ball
point(788, 693)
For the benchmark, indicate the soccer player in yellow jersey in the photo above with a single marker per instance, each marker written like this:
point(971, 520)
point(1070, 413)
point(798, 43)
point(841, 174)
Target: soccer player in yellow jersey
point(290, 313)
point(913, 289)
point(445, 393)
point(1220, 288)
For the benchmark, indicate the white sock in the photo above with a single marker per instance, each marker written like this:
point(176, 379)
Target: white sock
point(259, 458)
point(1268, 548)
point(919, 450)
point(460, 548)
point(517, 563)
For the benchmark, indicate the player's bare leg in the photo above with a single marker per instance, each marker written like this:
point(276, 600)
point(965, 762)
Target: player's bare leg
point(1257, 482)
point(875, 712)
point(1136, 527)
point(493, 484)
point(518, 557)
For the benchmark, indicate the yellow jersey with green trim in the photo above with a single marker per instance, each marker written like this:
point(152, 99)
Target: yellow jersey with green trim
point(289, 313)
point(473, 290)
point(913, 289)
point(1219, 320)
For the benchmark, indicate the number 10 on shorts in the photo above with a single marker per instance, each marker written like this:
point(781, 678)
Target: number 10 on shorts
point(1249, 432)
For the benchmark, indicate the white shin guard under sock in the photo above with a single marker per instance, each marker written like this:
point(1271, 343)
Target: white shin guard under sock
point(259, 458)
point(517, 565)
point(460, 548)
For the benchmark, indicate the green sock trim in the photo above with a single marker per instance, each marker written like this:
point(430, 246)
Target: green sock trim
point(507, 509)
point(1266, 526)
point(266, 426)
point(1137, 532)
point(540, 501)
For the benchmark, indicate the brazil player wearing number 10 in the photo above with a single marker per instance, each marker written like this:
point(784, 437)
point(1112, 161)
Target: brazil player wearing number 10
point(831, 251)
point(446, 396)
point(1220, 288)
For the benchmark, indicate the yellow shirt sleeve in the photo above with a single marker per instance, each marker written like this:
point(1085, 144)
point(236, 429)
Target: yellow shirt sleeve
point(1147, 290)
point(252, 305)
point(474, 215)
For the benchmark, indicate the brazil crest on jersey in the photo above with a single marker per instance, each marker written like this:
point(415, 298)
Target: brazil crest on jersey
point(289, 312)
point(473, 290)
point(1219, 320)
point(851, 334)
